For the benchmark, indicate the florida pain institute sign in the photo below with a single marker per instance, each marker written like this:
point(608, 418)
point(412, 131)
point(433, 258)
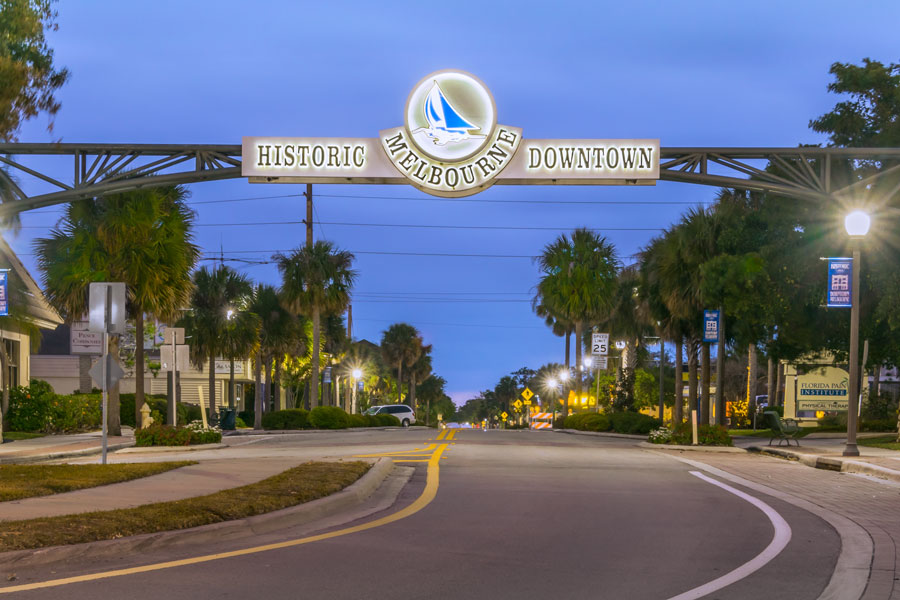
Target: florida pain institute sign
point(450, 145)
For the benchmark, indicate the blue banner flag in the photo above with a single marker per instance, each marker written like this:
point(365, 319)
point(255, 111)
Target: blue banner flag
point(4, 296)
point(840, 273)
point(710, 325)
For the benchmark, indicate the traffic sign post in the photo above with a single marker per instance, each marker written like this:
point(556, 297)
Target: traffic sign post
point(106, 307)
point(599, 344)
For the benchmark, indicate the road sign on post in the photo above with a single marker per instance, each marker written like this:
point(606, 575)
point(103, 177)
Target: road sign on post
point(840, 271)
point(106, 308)
point(527, 394)
point(174, 357)
point(599, 344)
point(4, 292)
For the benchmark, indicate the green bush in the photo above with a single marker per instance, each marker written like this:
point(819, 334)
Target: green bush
point(633, 422)
point(588, 422)
point(292, 418)
point(387, 420)
point(247, 416)
point(833, 422)
point(166, 435)
point(358, 421)
point(328, 417)
point(37, 409)
point(878, 425)
point(707, 435)
point(239, 423)
point(27, 411)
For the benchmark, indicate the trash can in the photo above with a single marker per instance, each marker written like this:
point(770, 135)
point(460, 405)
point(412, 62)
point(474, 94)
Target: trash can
point(226, 418)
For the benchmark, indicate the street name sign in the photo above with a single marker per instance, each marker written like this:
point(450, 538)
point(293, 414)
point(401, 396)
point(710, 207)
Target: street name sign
point(451, 145)
point(82, 341)
point(600, 344)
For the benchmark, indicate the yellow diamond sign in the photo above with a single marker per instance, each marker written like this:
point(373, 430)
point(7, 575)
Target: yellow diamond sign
point(517, 404)
point(504, 415)
point(527, 394)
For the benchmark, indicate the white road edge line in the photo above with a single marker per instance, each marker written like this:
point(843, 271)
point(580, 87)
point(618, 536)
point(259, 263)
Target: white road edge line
point(781, 539)
point(851, 573)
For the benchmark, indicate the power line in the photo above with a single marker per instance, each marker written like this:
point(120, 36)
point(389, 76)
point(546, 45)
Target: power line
point(455, 324)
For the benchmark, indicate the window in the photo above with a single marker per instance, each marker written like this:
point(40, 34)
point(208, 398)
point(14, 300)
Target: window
point(12, 351)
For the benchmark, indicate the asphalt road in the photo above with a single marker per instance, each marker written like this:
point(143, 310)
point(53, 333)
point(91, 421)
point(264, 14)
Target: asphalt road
point(514, 514)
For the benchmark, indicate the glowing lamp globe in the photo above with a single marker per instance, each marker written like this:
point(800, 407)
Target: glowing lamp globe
point(857, 223)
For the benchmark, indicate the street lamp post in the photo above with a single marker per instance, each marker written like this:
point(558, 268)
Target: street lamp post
point(357, 374)
point(857, 225)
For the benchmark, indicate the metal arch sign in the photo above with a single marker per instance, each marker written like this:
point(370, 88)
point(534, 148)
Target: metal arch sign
point(451, 145)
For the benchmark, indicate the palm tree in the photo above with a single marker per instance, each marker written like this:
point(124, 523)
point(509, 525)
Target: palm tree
point(577, 283)
point(207, 321)
point(401, 344)
point(419, 371)
point(316, 282)
point(280, 333)
point(142, 238)
point(239, 339)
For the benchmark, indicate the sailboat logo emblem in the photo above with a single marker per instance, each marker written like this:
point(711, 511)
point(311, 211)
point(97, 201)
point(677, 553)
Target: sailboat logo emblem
point(450, 115)
point(445, 124)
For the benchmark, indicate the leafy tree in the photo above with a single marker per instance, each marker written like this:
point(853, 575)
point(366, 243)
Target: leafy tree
point(142, 238)
point(420, 371)
point(316, 282)
point(432, 393)
point(28, 75)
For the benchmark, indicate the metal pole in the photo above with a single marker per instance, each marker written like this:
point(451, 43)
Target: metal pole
point(309, 216)
point(106, 319)
point(720, 369)
point(850, 449)
point(662, 388)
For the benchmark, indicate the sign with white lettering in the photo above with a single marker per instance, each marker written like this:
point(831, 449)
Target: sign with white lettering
point(599, 344)
point(4, 292)
point(224, 366)
point(451, 145)
point(840, 271)
point(710, 325)
point(825, 388)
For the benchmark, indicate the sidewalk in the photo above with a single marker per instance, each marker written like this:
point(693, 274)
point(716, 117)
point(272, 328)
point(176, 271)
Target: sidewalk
point(52, 447)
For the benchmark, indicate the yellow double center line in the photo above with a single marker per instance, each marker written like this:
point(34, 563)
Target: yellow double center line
point(447, 434)
point(428, 494)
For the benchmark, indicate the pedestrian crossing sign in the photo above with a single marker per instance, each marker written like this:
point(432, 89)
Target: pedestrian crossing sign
point(527, 394)
point(503, 415)
point(517, 404)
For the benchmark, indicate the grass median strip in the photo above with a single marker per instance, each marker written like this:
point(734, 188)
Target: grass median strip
point(27, 481)
point(14, 436)
point(295, 486)
point(888, 441)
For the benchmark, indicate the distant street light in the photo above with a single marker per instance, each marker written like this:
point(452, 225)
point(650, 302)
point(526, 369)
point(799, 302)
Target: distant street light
point(587, 362)
point(357, 375)
point(857, 225)
point(563, 376)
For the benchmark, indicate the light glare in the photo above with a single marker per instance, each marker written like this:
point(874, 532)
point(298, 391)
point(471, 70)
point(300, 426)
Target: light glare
point(857, 223)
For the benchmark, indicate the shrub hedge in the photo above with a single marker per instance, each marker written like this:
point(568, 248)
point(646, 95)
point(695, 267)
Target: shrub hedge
point(707, 435)
point(292, 418)
point(633, 422)
point(588, 422)
point(37, 408)
point(328, 417)
point(166, 435)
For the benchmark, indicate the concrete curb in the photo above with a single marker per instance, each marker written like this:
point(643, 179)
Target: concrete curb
point(626, 436)
point(831, 463)
point(691, 448)
point(301, 514)
point(149, 449)
point(57, 455)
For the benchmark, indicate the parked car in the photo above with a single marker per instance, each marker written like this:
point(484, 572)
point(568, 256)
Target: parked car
point(401, 411)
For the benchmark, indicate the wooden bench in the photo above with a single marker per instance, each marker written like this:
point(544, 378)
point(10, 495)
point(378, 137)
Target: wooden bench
point(783, 429)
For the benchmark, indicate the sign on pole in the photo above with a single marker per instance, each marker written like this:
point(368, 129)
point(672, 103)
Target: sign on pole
point(178, 362)
point(4, 292)
point(710, 325)
point(601, 363)
point(173, 332)
point(600, 344)
point(840, 271)
point(113, 371)
point(527, 394)
point(97, 307)
point(82, 341)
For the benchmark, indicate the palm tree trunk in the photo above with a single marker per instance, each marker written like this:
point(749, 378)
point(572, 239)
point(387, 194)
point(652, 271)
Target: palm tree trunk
point(314, 368)
point(211, 412)
point(400, 382)
point(677, 411)
point(692, 376)
point(751, 382)
point(257, 391)
point(138, 366)
point(704, 388)
point(113, 412)
point(568, 336)
point(412, 390)
point(876, 381)
point(579, 380)
point(779, 377)
point(267, 399)
point(84, 375)
point(662, 385)
point(277, 384)
point(231, 383)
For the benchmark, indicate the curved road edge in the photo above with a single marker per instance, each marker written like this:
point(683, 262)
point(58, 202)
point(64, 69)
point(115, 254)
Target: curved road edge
point(346, 499)
point(853, 568)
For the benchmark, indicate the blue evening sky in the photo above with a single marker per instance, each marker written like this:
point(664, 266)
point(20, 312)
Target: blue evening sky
point(688, 73)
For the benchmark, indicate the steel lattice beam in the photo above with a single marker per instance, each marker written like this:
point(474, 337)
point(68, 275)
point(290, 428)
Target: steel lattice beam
point(99, 169)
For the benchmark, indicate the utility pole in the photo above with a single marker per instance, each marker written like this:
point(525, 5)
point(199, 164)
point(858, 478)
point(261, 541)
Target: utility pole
point(720, 370)
point(309, 215)
point(347, 391)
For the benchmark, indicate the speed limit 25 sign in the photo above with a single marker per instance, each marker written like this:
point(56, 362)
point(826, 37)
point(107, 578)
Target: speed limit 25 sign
point(599, 344)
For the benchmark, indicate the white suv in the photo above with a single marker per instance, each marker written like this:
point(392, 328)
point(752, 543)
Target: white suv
point(401, 411)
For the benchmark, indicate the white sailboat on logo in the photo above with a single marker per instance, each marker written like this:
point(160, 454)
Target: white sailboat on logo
point(446, 124)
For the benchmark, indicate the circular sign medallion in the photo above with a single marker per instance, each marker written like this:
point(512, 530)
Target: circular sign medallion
point(450, 115)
